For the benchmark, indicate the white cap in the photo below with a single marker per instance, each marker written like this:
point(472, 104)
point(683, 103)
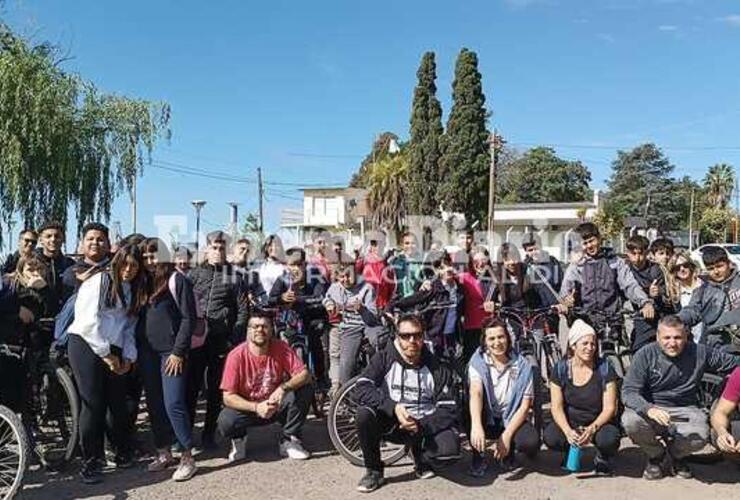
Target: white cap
point(578, 330)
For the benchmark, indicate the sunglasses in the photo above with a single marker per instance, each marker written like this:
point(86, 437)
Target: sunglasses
point(683, 265)
point(30, 241)
point(411, 337)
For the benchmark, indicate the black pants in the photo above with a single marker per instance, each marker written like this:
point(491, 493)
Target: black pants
point(13, 386)
point(606, 440)
point(206, 364)
point(374, 426)
point(526, 439)
point(100, 390)
point(292, 414)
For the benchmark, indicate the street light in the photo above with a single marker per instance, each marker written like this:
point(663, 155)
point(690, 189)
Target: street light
point(198, 205)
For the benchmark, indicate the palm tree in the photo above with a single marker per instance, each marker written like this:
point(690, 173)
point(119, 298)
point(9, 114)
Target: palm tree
point(719, 183)
point(387, 181)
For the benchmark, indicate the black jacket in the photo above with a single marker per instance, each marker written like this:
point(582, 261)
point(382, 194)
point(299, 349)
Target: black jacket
point(10, 263)
point(56, 266)
point(219, 289)
point(309, 297)
point(543, 272)
point(429, 397)
point(69, 277)
point(170, 321)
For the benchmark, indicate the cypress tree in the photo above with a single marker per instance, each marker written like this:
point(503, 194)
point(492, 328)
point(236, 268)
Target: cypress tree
point(426, 132)
point(465, 158)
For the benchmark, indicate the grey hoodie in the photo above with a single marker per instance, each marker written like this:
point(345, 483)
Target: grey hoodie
point(341, 296)
point(710, 300)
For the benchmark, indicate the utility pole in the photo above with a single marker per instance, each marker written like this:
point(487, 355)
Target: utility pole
point(691, 222)
point(491, 188)
point(261, 194)
point(198, 205)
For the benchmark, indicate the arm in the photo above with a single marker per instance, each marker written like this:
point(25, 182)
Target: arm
point(520, 416)
point(629, 285)
point(477, 432)
point(570, 280)
point(721, 362)
point(634, 383)
point(692, 314)
point(720, 421)
point(368, 311)
point(557, 408)
point(369, 389)
point(278, 289)
point(186, 305)
point(609, 407)
point(236, 402)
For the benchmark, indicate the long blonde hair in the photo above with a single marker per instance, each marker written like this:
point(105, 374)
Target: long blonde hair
point(673, 285)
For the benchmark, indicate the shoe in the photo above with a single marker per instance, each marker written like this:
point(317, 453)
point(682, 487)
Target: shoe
point(371, 481)
point(293, 448)
point(238, 450)
point(91, 473)
point(479, 465)
point(653, 469)
point(602, 466)
point(162, 462)
point(423, 471)
point(124, 461)
point(681, 469)
point(185, 470)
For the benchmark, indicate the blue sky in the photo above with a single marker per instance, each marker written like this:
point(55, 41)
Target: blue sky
point(301, 88)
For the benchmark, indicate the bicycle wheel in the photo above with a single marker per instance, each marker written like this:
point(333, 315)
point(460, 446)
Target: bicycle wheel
point(342, 426)
point(616, 363)
point(710, 389)
point(55, 420)
point(539, 395)
point(14, 452)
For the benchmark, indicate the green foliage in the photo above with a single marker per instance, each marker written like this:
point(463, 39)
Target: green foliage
point(251, 224)
point(426, 133)
point(465, 158)
point(378, 152)
point(719, 183)
point(63, 143)
point(641, 185)
point(713, 224)
point(610, 224)
point(539, 176)
point(387, 184)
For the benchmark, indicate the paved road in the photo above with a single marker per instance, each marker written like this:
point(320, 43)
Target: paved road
point(265, 476)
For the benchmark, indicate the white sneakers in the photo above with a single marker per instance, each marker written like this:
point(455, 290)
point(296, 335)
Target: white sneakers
point(238, 450)
point(185, 470)
point(293, 448)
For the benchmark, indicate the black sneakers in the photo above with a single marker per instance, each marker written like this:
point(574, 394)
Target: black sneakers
point(371, 481)
point(681, 469)
point(654, 469)
point(91, 472)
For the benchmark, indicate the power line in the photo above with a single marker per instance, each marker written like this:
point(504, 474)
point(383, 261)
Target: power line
point(200, 172)
point(599, 146)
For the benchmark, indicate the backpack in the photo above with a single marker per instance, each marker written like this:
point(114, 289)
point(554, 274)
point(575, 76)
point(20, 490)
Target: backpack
point(199, 331)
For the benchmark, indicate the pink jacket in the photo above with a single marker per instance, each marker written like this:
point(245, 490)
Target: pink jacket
point(475, 295)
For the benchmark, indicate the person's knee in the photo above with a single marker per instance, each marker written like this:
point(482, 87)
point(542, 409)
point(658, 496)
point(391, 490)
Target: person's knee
point(227, 422)
point(554, 437)
point(446, 446)
point(365, 417)
point(634, 424)
point(527, 440)
point(607, 439)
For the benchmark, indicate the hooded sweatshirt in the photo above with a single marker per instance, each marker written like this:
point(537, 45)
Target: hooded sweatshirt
point(710, 300)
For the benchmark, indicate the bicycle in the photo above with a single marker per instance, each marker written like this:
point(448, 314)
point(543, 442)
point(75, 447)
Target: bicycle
point(611, 337)
point(14, 447)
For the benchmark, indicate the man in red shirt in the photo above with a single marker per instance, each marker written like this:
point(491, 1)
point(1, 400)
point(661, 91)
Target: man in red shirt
point(726, 435)
point(264, 381)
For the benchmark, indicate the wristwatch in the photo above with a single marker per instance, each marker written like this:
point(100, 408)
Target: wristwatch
point(285, 387)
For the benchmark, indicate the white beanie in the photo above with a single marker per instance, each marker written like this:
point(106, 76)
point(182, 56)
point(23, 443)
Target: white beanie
point(578, 330)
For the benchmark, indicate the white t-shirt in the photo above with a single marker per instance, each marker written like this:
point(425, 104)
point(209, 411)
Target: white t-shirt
point(503, 385)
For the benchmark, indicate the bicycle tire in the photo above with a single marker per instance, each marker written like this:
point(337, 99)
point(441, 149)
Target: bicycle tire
point(56, 418)
point(13, 442)
point(538, 387)
point(710, 389)
point(342, 429)
point(73, 398)
point(616, 363)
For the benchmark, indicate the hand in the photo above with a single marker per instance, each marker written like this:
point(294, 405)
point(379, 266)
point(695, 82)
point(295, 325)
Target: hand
point(569, 300)
point(489, 306)
point(478, 438)
point(586, 436)
point(648, 311)
point(173, 365)
point(114, 364)
point(727, 443)
point(266, 409)
point(288, 297)
point(330, 307)
point(561, 308)
point(654, 289)
point(124, 368)
point(502, 447)
point(406, 421)
point(660, 416)
point(572, 436)
point(25, 315)
point(426, 286)
point(277, 396)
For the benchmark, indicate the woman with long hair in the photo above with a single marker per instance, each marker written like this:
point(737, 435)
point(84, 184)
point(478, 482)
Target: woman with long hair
point(101, 350)
point(477, 287)
point(273, 265)
point(164, 343)
point(682, 280)
point(512, 284)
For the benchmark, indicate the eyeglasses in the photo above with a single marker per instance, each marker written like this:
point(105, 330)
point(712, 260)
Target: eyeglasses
point(30, 241)
point(411, 337)
point(682, 265)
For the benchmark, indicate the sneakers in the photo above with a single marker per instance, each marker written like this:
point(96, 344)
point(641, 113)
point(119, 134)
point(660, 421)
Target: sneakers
point(423, 470)
point(185, 470)
point(162, 462)
point(479, 466)
point(371, 481)
point(653, 469)
point(238, 450)
point(91, 472)
point(293, 448)
point(124, 461)
point(602, 466)
point(681, 469)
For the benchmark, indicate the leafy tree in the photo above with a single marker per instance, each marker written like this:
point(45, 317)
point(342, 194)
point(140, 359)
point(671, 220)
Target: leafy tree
point(63, 143)
point(465, 158)
point(719, 184)
point(387, 184)
point(640, 185)
point(426, 132)
point(541, 176)
point(251, 224)
point(713, 224)
point(610, 223)
point(378, 152)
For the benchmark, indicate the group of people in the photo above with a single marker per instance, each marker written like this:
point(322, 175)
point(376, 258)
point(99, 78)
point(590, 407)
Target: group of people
point(138, 316)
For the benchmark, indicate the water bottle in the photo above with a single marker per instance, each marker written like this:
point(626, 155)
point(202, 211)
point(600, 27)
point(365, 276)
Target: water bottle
point(573, 462)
